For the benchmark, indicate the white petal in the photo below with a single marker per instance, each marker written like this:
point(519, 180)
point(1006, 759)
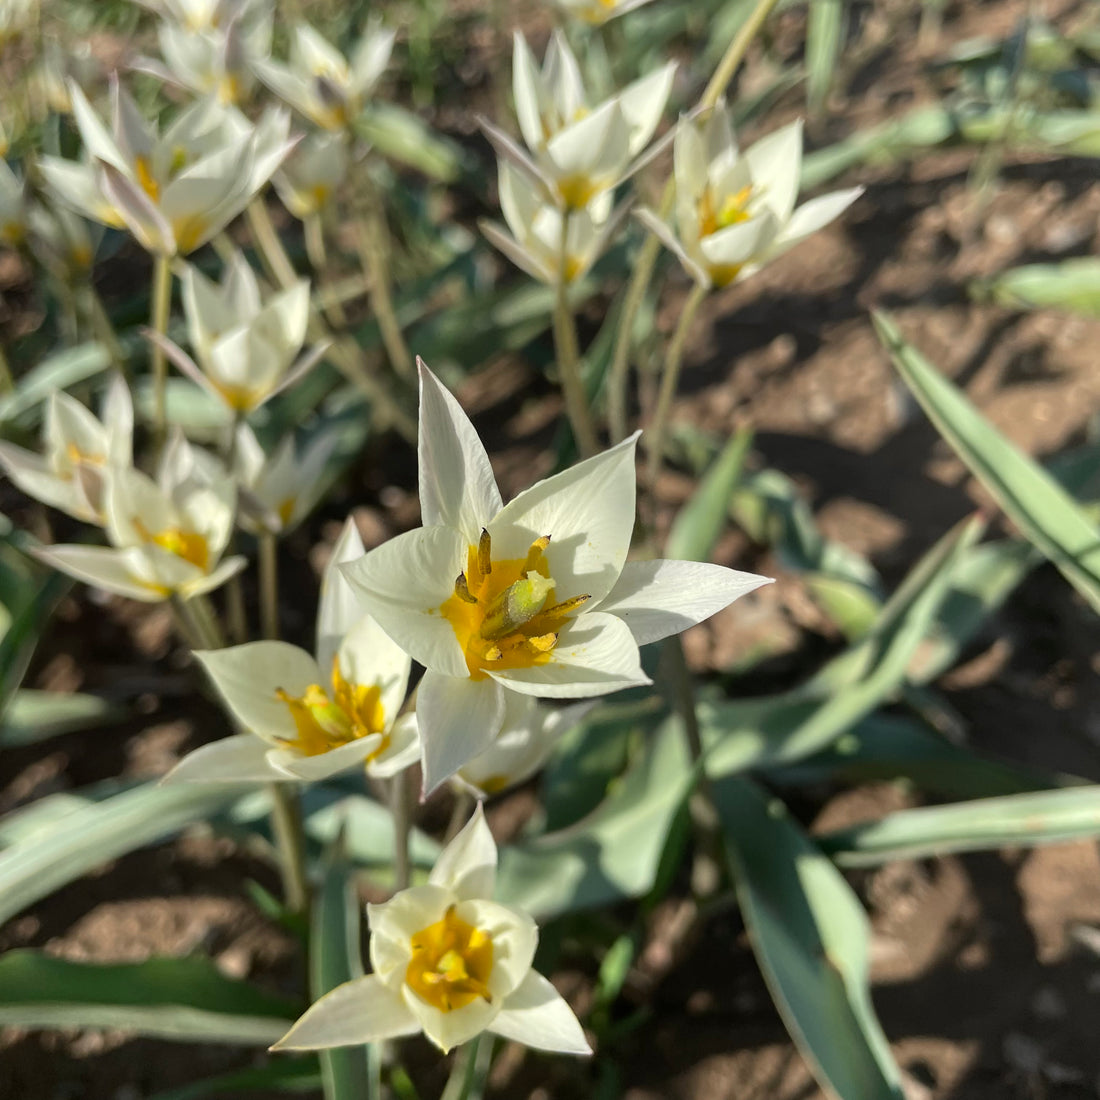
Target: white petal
point(450, 1029)
point(457, 487)
point(525, 261)
point(368, 656)
point(468, 865)
point(360, 1011)
point(396, 921)
point(659, 598)
point(815, 214)
point(238, 759)
point(227, 568)
point(313, 768)
point(404, 582)
point(248, 677)
point(642, 103)
point(666, 235)
point(515, 938)
point(597, 147)
point(403, 750)
point(339, 607)
point(31, 473)
point(588, 512)
point(526, 82)
point(537, 1015)
point(738, 242)
point(458, 718)
point(595, 654)
point(776, 165)
point(103, 567)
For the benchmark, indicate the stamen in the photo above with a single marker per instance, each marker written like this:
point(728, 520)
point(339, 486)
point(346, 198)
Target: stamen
point(566, 606)
point(543, 643)
point(462, 590)
point(485, 553)
point(493, 653)
point(536, 551)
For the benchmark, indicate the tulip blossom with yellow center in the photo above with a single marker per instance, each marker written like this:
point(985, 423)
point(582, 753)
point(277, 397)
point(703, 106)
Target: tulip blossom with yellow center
point(450, 964)
point(189, 545)
point(503, 613)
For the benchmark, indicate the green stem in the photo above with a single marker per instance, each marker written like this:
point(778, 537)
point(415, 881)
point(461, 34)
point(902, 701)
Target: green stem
point(568, 354)
point(318, 260)
point(470, 1069)
point(267, 241)
point(673, 360)
point(399, 807)
point(206, 623)
point(269, 585)
point(101, 326)
point(374, 249)
point(460, 814)
point(185, 623)
point(647, 257)
point(162, 301)
point(286, 824)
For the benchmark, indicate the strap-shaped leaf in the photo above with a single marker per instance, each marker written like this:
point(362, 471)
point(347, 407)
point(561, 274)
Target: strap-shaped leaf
point(186, 999)
point(811, 939)
point(1031, 498)
point(1042, 817)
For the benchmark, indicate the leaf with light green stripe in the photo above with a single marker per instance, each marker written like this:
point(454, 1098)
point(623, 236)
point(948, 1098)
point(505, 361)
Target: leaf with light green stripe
point(1072, 285)
point(334, 959)
point(824, 38)
point(1042, 817)
point(1031, 498)
point(811, 938)
point(184, 999)
point(97, 832)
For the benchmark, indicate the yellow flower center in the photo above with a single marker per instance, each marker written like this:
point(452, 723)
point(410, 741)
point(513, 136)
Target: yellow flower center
point(721, 215)
point(451, 963)
point(188, 545)
point(325, 723)
point(143, 168)
point(78, 458)
point(286, 509)
point(577, 191)
point(238, 398)
point(503, 613)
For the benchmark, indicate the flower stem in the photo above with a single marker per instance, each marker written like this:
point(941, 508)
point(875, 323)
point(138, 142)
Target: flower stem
point(568, 354)
point(286, 824)
point(318, 260)
point(647, 257)
point(374, 249)
point(269, 585)
point(399, 807)
point(162, 300)
point(470, 1069)
point(673, 359)
point(271, 248)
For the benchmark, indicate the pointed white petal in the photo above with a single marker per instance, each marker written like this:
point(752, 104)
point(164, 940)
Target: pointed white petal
point(515, 938)
point(360, 1011)
point(403, 750)
point(228, 567)
point(404, 582)
point(468, 865)
point(526, 81)
point(664, 233)
point(103, 567)
point(238, 759)
point(659, 598)
point(457, 487)
point(311, 769)
point(368, 656)
point(248, 677)
point(393, 923)
point(458, 717)
point(775, 162)
point(595, 654)
point(737, 243)
point(588, 512)
point(450, 1029)
point(537, 1015)
point(515, 252)
point(339, 607)
point(814, 215)
point(642, 103)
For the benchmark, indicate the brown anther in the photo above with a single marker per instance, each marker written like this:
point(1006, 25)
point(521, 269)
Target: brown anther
point(543, 643)
point(566, 606)
point(462, 589)
point(485, 553)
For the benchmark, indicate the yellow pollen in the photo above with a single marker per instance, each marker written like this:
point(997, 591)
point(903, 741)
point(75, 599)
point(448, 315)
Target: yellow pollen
point(451, 963)
point(78, 458)
point(189, 545)
point(577, 191)
point(503, 612)
point(324, 723)
point(146, 180)
point(732, 210)
point(286, 509)
point(238, 398)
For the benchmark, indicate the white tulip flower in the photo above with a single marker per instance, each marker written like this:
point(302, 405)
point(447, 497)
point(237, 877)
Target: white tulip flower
point(173, 190)
point(167, 535)
point(247, 349)
point(447, 961)
point(279, 490)
point(199, 16)
point(320, 83)
point(530, 733)
point(535, 245)
point(309, 719)
point(735, 212)
point(598, 12)
point(577, 152)
point(79, 451)
point(545, 602)
point(312, 173)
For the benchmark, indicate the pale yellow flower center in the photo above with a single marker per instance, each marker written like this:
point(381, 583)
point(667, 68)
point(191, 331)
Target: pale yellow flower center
point(451, 963)
point(148, 182)
point(715, 215)
point(503, 613)
point(325, 723)
point(188, 545)
point(78, 457)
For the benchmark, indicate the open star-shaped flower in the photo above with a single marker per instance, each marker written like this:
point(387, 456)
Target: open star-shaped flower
point(447, 961)
point(535, 596)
